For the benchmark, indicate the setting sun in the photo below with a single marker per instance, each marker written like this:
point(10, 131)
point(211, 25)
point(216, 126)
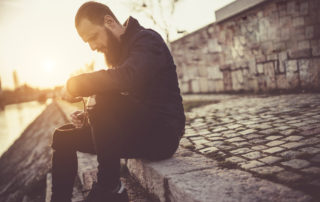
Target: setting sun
point(48, 66)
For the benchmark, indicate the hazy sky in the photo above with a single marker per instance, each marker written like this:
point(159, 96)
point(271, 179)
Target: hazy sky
point(39, 40)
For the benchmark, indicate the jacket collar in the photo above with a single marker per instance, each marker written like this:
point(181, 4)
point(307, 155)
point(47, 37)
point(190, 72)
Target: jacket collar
point(132, 27)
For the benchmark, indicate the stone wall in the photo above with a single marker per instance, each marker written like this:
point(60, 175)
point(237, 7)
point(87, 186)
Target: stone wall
point(272, 46)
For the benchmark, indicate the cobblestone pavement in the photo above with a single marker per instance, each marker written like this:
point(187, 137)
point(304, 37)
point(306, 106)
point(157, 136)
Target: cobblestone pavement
point(273, 137)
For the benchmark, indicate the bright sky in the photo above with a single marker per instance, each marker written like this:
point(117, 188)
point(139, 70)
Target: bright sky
point(39, 40)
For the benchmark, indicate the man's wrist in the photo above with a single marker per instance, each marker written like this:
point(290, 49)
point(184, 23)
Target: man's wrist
point(70, 87)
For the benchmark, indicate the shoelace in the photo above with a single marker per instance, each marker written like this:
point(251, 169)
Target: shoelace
point(121, 188)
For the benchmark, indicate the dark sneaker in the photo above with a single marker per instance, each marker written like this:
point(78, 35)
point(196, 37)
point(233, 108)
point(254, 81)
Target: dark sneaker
point(101, 194)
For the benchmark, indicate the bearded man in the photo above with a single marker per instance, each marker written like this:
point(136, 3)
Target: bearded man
point(135, 111)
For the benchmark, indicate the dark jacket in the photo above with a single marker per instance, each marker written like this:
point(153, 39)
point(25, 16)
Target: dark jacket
point(147, 73)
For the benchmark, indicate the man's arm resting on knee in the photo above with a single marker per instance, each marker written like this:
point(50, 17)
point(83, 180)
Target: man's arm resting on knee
point(146, 58)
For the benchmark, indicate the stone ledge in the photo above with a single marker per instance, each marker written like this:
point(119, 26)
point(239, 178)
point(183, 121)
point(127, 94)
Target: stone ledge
point(189, 176)
point(235, 8)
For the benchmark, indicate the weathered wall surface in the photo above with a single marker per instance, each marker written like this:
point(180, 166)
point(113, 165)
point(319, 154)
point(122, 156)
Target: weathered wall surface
point(273, 46)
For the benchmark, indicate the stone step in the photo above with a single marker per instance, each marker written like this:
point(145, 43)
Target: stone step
point(77, 192)
point(87, 170)
point(190, 177)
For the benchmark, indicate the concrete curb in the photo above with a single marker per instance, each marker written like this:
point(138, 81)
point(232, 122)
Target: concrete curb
point(189, 176)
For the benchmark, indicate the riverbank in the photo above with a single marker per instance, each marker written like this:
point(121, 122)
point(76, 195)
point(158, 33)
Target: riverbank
point(23, 167)
point(15, 119)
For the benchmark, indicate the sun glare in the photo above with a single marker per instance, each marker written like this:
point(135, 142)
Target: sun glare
point(48, 66)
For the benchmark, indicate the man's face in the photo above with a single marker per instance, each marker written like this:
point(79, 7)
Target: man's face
point(101, 39)
point(93, 34)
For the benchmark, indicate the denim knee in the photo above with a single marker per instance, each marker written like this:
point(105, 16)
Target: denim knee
point(63, 138)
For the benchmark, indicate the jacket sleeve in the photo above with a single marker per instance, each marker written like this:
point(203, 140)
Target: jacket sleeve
point(145, 58)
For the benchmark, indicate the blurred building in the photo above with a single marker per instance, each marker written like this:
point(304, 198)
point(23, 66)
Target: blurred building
point(15, 79)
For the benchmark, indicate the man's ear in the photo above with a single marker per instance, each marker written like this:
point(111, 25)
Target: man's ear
point(108, 21)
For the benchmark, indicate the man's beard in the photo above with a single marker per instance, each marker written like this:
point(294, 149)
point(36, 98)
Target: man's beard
point(112, 53)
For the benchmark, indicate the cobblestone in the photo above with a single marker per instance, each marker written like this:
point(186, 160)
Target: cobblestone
point(316, 158)
point(267, 170)
point(311, 132)
point(251, 164)
point(273, 137)
point(235, 159)
point(233, 126)
point(288, 176)
point(236, 139)
point(273, 150)
point(290, 154)
point(293, 138)
point(246, 132)
point(241, 144)
point(269, 131)
point(310, 140)
point(259, 147)
point(241, 151)
point(215, 138)
point(201, 141)
point(270, 159)
point(292, 145)
point(310, 150)
point(208, 150)
point(296, 163)
point(312, 170)
point(185, 142)
point(288, 132)
point(252, 155)
point(275, 143)
point(252, 136)
point(258, 141)
point(267, 135)
point(204, 132)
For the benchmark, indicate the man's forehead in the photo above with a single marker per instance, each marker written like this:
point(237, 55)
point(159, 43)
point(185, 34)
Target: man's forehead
point(86, 29)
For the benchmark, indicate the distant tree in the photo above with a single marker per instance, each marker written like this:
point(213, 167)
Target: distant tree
point(160, 12)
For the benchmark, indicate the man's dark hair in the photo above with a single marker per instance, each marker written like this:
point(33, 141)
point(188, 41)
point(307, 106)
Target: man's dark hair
point(94, 12)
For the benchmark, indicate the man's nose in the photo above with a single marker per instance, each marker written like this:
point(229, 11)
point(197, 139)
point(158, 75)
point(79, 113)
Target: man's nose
point(93, 46)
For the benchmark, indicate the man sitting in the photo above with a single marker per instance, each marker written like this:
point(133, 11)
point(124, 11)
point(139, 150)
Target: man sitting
point(135, 111)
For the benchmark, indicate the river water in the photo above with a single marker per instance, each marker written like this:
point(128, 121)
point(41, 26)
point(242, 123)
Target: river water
point(15, 119)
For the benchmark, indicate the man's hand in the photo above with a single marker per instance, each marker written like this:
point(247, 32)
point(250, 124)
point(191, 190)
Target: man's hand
point(68, 97)
point(77, 118)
